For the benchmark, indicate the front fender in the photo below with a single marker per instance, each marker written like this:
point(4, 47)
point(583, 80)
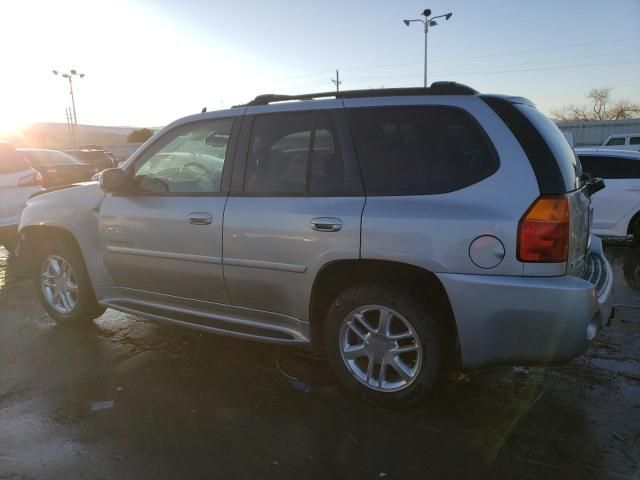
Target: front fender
point(75, 211)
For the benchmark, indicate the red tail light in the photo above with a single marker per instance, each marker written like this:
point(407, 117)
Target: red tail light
point(543, 231)
point(31, 180)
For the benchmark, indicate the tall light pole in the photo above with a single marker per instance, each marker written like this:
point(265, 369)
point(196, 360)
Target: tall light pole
point(428, 21)
point(69, 76)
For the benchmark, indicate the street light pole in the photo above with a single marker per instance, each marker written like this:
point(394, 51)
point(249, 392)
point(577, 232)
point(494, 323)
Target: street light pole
point(69, 76)
point(73, 101)
point(428, 22)
point(426, 36)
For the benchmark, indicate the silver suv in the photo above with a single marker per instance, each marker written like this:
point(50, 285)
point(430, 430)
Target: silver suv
point(402, 230)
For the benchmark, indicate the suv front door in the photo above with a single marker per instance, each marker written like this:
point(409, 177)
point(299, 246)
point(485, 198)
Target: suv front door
point(296, 205)
point(165, 235)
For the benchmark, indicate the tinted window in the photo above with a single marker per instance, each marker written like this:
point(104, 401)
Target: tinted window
point(562, 152)
point(610, 167)
point(634, 141)
point(615, 141)
point(419, 150)
point(10, 161)
point(190, 160)
point(295, 154)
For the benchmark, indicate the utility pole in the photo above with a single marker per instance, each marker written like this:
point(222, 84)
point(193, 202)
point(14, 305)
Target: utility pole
point(337, 81)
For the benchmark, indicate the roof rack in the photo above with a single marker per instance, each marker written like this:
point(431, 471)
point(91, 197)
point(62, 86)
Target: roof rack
point(436, 88)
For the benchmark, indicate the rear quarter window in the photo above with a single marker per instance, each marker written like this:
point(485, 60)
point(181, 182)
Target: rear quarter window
point(564, 155)
point(420, 150)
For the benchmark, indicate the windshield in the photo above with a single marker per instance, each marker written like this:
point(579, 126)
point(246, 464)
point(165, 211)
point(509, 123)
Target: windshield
point(45, 157)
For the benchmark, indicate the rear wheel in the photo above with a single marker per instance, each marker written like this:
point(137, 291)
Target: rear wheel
point(63, 285)
point(385, 345)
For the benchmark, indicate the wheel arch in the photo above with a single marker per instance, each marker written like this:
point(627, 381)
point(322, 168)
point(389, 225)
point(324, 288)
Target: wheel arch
point(633, 222)
point(33, 236)
point(337, 275)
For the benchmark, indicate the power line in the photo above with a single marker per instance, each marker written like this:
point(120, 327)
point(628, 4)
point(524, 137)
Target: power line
point(488, 72)
point(513, 52)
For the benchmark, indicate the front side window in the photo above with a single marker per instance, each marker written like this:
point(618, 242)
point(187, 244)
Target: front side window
point(610, 167)
point(419, 150)
point(190, 161)
point(615, 141)
point(295, 153)
point(634, 141)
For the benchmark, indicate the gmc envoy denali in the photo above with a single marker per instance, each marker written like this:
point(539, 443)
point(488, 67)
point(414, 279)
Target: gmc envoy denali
point(403, 231)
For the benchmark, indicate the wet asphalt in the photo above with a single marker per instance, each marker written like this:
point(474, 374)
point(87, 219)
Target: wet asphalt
point(131, 398)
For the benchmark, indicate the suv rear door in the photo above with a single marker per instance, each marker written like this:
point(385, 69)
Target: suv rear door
point(295, 205)
point(165, 235)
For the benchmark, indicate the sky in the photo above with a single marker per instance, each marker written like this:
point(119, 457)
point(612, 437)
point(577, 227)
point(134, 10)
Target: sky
point(148, 62)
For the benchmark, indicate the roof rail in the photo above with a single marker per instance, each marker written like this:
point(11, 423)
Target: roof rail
point(436, 88)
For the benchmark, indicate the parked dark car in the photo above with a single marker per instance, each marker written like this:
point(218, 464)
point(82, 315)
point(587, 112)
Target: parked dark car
point(96, 157)
point(57, 168)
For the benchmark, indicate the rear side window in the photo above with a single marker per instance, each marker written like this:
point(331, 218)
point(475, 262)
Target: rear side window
point(610, 167)
point(295, 154)
point(634, 141)
point(420, 150)
point(11, 161)
point(615, 141)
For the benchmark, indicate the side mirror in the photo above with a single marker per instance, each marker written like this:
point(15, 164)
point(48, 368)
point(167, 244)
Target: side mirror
point(113, 180)
point(595, 185)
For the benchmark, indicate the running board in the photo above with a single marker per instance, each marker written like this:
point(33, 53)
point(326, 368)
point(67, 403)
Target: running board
point(209, 322)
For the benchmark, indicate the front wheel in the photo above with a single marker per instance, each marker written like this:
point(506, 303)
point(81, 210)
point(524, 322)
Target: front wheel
point(63, 285)
point(385, 344)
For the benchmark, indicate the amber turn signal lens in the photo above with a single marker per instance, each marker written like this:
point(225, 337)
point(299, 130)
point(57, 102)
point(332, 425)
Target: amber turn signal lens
point(543, 231)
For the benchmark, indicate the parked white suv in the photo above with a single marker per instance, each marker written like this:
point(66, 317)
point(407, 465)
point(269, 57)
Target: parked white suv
point(625, 141)
point(616, 210)
point(400, 229)
point(17, 182)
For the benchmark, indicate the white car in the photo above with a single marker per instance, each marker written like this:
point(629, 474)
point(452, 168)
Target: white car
point(617, 207)
point(17, 182)
point(625, 141)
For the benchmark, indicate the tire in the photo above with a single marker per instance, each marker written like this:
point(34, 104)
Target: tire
point(426, 358)
point(81, 305)
point(635, 231)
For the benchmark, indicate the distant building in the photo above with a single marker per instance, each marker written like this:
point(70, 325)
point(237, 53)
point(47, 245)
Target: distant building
point(588, 133)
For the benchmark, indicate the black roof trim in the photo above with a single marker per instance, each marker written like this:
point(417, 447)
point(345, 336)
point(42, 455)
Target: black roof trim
point(436, 88)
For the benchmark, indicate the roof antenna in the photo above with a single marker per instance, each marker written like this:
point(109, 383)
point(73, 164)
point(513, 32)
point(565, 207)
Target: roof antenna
point(204, 110)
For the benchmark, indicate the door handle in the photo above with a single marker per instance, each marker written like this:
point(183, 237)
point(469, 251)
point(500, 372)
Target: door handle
point(200, 218)
point(326, 224)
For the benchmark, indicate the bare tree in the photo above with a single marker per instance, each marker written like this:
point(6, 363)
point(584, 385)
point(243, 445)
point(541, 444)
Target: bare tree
point(600, 107)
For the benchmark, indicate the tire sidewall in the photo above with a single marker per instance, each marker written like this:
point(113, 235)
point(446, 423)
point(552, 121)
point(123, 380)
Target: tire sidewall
point(417, 312)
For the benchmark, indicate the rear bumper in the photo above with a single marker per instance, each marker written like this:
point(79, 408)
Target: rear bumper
point(528, 320)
